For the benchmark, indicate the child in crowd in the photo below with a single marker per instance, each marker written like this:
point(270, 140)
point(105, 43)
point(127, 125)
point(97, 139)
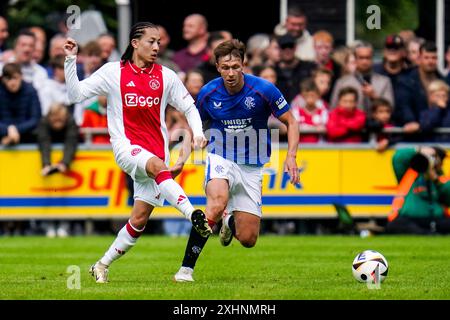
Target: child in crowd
point(310, 111)
point(379, 119)
point(322, 79)
point(266, 72)
point(346, 122)
point(194, 82)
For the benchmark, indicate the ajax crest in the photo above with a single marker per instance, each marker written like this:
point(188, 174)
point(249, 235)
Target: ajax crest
point(154, 84)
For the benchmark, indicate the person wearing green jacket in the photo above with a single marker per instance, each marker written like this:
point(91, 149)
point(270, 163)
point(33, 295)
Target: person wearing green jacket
point(423, 193)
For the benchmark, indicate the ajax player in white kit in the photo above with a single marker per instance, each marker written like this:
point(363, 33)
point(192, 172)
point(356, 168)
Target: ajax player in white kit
point(138, 91)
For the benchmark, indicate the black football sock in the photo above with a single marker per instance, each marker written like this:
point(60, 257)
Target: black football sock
point(193, 248)
point(231, 225)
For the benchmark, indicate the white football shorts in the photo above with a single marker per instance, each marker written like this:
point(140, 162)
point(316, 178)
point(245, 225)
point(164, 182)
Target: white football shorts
point(245, 183)
point(132, 159)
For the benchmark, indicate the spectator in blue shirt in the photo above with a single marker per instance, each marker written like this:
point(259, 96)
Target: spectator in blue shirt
point(412, 93)
point(20, 109)
point(436, 115)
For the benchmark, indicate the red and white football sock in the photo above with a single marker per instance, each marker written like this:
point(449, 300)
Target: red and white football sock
point(126, 239)
point(173, 193)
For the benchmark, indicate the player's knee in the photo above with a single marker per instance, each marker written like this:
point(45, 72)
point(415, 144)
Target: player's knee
point(138, 222)
point(216, 207)
point(139, 219)
point(154, 166)
point(248, 241)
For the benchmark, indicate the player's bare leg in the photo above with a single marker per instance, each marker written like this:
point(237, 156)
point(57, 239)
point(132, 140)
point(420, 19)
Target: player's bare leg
point(175, 195)
point(244, 227)
point(126, 239)
point(216, 202)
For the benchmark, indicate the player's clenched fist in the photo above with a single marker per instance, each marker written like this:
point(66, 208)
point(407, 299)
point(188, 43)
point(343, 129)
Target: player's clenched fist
point(70, 47)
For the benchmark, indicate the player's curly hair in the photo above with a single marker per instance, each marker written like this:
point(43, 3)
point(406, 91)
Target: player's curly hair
point(232, 47)
point(136, 33)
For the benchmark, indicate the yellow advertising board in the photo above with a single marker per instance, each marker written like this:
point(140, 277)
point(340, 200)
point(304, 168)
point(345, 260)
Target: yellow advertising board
point(96, 188)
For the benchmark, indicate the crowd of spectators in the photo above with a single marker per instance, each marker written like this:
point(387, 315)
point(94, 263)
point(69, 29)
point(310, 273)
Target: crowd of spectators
point(406, 87)
point(338, 95)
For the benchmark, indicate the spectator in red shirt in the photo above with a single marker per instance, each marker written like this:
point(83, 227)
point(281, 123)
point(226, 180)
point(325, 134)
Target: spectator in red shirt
point(346, 122)
point(310, 111)
point(94, 116)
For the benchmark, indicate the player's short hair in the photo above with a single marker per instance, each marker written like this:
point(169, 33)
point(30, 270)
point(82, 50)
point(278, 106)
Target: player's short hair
point(348, 90)
point(136, 32)
point(232, 47)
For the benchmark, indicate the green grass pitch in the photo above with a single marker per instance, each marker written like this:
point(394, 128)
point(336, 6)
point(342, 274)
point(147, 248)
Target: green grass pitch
point(288, 268)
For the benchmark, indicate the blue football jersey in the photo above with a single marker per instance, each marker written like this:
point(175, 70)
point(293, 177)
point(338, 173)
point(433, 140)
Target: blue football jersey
point(238, 128)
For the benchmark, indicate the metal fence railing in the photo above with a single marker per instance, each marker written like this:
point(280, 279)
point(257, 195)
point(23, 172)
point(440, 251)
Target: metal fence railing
point(89, 133)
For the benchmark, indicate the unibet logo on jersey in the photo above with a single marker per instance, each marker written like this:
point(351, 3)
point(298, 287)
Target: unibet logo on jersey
point(134, 100)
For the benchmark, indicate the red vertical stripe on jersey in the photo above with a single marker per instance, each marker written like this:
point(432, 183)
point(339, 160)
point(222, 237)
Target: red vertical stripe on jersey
point(141, 92)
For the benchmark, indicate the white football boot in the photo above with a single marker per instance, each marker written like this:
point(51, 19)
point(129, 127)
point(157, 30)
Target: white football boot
point(100, 272)
point(225, 234)
point(184, 275)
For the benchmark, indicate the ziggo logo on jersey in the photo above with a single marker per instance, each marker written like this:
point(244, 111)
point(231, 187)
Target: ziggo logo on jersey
point(133, 100)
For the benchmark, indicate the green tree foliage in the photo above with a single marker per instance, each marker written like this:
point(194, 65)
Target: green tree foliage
point(395, 16)
point(25, 13)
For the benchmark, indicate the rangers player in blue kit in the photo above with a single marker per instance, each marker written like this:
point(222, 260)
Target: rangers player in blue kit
point(236, 108)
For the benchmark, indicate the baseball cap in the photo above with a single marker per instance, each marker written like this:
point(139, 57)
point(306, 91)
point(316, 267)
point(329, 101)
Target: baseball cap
point(394, 41)
point(286, 41)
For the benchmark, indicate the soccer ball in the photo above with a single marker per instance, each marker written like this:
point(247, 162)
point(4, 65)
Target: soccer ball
point(365, 266)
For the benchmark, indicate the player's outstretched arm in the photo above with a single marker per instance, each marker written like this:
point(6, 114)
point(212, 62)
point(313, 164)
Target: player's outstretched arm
point(195, 123)
point(78, 90)
point(293, 135)
point(180, 98)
